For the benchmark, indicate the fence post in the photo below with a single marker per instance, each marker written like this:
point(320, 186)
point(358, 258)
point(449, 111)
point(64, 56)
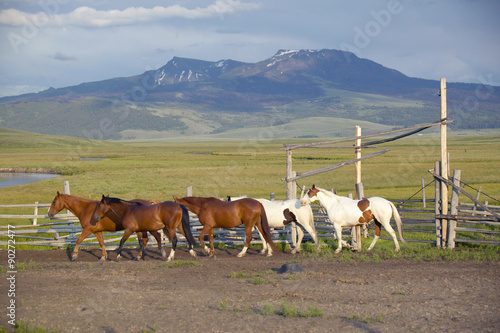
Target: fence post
point(66, 187)
point(356, 231)
point(452, 224)
point(66, 191)
point(444, 162)
point(35, 220)
point(477, 198)
point(290, 193)
point(356, 242)
point(437, 204)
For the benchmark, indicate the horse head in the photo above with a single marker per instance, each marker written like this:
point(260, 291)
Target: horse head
point(101, 210)
point(56, 206)
point(310, 196)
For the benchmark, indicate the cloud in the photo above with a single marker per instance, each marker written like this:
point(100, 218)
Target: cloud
point(92, 18)
point(62, 57)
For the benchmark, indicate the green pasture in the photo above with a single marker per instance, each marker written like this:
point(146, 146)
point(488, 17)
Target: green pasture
point(163, 169)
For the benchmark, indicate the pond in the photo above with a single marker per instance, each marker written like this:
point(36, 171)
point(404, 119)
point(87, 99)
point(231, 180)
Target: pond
point(13, 179)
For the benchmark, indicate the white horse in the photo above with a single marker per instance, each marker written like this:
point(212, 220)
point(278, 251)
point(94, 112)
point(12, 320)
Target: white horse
point(345, 212)
point(293, 211)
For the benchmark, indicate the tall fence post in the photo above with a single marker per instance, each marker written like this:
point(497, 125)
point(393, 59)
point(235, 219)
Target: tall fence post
point(444, 162)
point(452, 224)
point(356, 231)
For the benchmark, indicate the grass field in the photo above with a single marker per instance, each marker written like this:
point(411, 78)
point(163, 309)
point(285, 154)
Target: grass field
point(162, 169)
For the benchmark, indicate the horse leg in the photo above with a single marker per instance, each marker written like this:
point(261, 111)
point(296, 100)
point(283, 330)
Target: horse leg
point(248, 238)
point(157, 236)
point(298, 246)
point(261, 231)
point(377, 234)
point(202, 235)
point(391, 231)
point(85, 233)
point(307, 227)
point(126, 235)
point(142, 247)
point(264, 243)
point(100, 239)
point(173, 238)
point(338, 233)
point(211, 239)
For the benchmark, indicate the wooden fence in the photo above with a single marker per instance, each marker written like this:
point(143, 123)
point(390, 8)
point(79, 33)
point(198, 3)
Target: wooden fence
point(418, 216)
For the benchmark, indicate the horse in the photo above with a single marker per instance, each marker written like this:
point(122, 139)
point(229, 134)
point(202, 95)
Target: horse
point(295, 212)
point(135, 217)
point(345, 212)
point(83, 208)
point(215, 213)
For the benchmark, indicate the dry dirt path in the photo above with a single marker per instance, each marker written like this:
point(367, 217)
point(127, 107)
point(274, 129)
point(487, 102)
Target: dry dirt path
point(127, 296)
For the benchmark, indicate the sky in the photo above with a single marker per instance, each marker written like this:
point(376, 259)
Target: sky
point(59, 43)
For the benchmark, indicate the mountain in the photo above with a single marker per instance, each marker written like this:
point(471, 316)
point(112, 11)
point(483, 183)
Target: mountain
point(195, 97)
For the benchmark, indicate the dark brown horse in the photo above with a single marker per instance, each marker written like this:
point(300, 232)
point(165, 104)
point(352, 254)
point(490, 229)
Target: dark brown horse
point(215, 213)
point(83, 209)
point(135, 217)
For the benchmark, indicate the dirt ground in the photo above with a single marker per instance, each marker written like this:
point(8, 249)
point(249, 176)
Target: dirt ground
point(128, 296)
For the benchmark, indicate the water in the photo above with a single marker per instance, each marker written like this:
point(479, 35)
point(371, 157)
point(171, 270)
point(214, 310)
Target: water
point(14, 179)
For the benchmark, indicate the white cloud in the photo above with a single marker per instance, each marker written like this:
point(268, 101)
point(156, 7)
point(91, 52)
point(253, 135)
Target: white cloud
point(93, 18)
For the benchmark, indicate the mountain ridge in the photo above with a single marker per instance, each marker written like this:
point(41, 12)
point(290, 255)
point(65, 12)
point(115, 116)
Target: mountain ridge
point(293, 83)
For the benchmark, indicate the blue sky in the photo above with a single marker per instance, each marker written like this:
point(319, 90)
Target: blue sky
point(57, 43)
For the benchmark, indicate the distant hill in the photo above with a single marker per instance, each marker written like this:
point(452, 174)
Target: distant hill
point(195, 97)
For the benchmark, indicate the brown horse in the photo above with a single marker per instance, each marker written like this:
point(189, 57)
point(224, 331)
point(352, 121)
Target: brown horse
point(135, 217)
point(215, 213)
point(83, 209)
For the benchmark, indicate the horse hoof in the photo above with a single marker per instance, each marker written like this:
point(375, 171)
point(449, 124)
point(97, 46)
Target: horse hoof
point(138, 259)
point(103, 259)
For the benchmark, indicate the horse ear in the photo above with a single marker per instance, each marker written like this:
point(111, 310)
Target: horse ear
point(58, 194)
point(314, 186)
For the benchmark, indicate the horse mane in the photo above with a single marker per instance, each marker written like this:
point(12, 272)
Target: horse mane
point(326, 192)
point(110, 200)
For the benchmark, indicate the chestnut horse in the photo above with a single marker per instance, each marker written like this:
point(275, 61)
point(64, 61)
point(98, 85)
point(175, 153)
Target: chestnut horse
point(83, 208)
point(136, 217)
point(345, 212)
point(215, 213)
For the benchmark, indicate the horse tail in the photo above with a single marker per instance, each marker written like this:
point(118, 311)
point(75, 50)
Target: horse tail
point(397, 218)
point(265, 228)
point(186, 225)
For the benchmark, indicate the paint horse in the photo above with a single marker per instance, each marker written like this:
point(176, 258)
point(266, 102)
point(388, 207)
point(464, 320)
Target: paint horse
point(83, 209)
point(136, 217)
point(293, 211)
point(345, 212)
point(215, 213)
